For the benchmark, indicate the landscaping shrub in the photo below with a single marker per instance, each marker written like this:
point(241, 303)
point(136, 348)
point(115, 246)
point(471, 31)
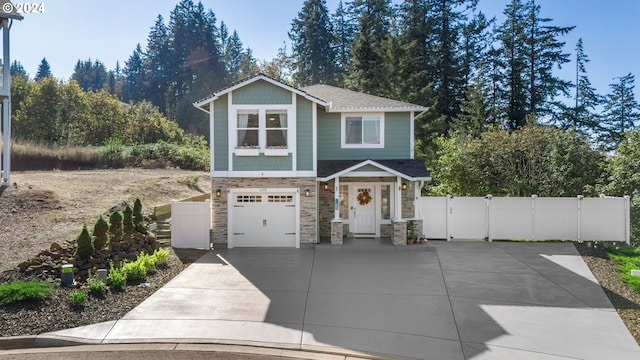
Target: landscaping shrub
point(96, 286)
point(78, 297)
point(134, 271)
point(117, 277)
point(148, 261)
point(138, 219)
point(100, 233)
point(115, 226)
point(85, 247)
point(24, 291)
point(127, 222)
point(161, 256)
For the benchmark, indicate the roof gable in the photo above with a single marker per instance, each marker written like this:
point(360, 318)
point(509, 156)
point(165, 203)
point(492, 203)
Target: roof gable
point(250, 80)
point(410, 169)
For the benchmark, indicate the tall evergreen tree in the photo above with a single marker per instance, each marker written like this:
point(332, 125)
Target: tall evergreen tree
point(621, 111)
point(582, 115)
point(312, 40)
point(530, 51)
point(16, 69)
point(344, 28)
point(90, 75)
point(134, 76)
point(368, 66)
point(44, 70)
point(156, 64)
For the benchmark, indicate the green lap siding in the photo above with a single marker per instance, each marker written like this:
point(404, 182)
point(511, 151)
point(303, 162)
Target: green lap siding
point(304, 135)
point(397, 137)
point(221, 134)
point(260, 93)
point(262, 163)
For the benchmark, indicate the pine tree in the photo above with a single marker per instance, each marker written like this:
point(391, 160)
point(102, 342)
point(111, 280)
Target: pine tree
point(101, 234)
point(344, 28)
point(368, 66)
point(138, 219)
point(134, 76)
point(44, 70)
point(127, 221)
point(312, 45)
point(583, 115)
point(115, 226)
point(90, 75)
point(621, 111)
point(84, 242)
point(156, 64)
point(17, 69)
point(233, 58)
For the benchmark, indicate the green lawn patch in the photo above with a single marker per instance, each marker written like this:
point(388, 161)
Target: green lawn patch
point(24, 291)
point(628, 258)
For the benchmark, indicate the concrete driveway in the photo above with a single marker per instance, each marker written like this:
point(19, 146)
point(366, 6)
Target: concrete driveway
point(470, 300)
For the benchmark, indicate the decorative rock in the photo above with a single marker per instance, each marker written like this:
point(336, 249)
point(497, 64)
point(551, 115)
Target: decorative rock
point(55, 248)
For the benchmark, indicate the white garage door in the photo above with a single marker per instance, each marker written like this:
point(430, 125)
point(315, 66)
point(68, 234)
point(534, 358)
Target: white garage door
point(263, 219)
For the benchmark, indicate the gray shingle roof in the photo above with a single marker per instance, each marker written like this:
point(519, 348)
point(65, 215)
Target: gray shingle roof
point(411, 168)
point(340, 99)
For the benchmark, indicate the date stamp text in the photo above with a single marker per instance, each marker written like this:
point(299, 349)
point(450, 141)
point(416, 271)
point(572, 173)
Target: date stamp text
point(24, 8)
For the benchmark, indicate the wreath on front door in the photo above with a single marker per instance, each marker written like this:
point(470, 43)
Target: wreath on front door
point(363, 197)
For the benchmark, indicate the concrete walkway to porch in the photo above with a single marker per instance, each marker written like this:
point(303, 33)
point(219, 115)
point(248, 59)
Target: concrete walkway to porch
point(471, 300)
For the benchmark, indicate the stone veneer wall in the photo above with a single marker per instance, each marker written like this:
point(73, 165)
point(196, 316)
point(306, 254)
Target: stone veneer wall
point(307, 205)
point(325, 204)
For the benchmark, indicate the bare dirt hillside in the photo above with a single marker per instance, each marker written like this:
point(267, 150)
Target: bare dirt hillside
point(41, 207)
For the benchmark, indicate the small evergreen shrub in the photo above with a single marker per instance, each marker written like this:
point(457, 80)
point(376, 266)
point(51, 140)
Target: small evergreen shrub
point(127, 222)
point(134, 271)
point(85, 247)
point(117, 277)
point(24, 291)
point(138, 219)
point(161, 256)
point(147, 260)
point(115, 226)
point(78, 297)
point(100, 234)
point(96, 286)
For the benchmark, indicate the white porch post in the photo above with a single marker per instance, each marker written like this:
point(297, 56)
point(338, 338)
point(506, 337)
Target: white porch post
point(6, 107)
point(398, 214)
point(336, 199)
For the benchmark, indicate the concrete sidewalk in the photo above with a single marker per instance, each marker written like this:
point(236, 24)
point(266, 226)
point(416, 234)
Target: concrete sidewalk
point(472, 300)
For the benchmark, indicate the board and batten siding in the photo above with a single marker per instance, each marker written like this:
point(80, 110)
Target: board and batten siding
point(304, 135)
point(221, 134)
point(396, 138)
point(261, 93)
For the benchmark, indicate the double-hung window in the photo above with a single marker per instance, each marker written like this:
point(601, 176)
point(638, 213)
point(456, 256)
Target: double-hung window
point(362, 131)
point(248, 129)
point(262, 130)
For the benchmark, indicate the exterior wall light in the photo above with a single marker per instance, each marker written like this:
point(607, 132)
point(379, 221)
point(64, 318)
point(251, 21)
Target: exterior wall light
point(325, 186)
point(218, 193)
point(404, 186)
point(307, 193)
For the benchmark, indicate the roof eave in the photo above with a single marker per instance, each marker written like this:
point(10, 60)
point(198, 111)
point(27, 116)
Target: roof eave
point(372, 110)
point(376, 164)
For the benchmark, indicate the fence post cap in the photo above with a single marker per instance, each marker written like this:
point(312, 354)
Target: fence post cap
point(580, 197)
point(489, 196)
point(627, 197)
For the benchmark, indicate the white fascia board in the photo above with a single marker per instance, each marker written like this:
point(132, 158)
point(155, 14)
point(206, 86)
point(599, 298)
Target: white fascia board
point(373, 110)
point(346, 171)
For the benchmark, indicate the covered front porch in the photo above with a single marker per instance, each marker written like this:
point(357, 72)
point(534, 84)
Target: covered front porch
point(369, 199)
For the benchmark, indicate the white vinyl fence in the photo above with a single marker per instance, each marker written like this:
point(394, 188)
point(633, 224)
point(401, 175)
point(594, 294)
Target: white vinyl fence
point(534, 218)
point(190, 224)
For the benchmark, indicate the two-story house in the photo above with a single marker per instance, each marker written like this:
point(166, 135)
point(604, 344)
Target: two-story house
point(291, 167)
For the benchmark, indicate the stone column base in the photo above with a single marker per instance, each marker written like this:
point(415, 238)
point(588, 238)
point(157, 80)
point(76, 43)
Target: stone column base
point(336, 232)
point(399, 232)
point(415, 226)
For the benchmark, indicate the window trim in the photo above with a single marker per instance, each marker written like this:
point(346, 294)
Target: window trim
point(262, 130)
point(343, 131)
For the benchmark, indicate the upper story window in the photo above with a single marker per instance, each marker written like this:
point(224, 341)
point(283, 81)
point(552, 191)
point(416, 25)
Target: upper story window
point(276, 127)
point(248, 129)
point(362, 130)
point(262, 129)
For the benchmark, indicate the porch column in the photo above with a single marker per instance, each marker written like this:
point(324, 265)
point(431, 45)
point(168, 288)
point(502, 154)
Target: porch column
point(336, 223)
point(336, 198)
point(398, 214)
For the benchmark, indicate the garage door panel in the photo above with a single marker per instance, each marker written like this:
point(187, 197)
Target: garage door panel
point(264, 220)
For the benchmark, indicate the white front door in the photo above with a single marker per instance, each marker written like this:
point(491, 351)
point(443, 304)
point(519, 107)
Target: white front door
point(364, 209)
